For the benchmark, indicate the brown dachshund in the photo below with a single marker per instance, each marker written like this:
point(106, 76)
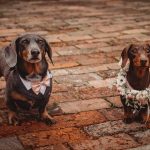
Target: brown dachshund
point(138, 77)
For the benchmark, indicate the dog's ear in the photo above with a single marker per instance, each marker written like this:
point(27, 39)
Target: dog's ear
point(148, 45)
point(124, 55)
point(10, 54)
point(49, 51)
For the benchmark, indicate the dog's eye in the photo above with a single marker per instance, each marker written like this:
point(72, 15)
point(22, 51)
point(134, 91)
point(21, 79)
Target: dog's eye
point(41, 42)
point(134, 50)
point(148, 50)
point(25, 42)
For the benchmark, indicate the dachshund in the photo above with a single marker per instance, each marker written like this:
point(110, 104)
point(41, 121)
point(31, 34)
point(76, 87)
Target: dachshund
point(138, 77)
point(28, 80)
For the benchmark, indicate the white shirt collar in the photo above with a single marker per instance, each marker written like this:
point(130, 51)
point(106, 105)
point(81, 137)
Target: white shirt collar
point(28, 84)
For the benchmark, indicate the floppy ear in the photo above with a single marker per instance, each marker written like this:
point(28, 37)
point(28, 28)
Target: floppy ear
point(148, 45)
point(124, 56)
point(49, 51)
point(10, 54)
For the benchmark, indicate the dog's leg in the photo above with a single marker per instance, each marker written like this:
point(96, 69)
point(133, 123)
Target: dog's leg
point(47, 118)
point(13, 118)
point(128, 114)
point(12, 114)
point(44, 116)
point(143, 115)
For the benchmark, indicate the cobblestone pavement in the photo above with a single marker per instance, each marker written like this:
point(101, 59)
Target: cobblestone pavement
point(87, 37)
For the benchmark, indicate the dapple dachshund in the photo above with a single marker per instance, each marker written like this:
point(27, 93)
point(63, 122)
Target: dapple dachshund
point(28, 80)
point(138, 76)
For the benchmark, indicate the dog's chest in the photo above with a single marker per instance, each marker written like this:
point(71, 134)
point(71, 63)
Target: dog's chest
point(33, 77)
point(30, 100)
point(37, 86)
point(22, 91)
point(28, 105)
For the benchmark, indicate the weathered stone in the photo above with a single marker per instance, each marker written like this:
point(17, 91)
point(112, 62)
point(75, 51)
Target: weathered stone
point(80, 119)
point(144, 147)
point(91, 92)
point(44, 138)
point(53, 147)
point(60, 72)
point(63, 65)
point(115, 142)
point(84, 105)
point(62, 97)
point(91, 45)
point(133, 31)
point(112, 114)
point(86, 69)
point(111, 48)
point(60, 88)
point(53, 38)
point(112, 28)
point(142, 137)
point(113, 66)
point(87, 145)
point(115, 101)
point(108, 73)
point(102, 83)
point(10, 32)
point(10, 143)
point(74, 38)
point(113, 127)
point(77, 80)
point(103, 35)
point(67, 50)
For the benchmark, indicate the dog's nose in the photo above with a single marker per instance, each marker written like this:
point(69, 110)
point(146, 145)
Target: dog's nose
point(143, 62)
point(35, 52)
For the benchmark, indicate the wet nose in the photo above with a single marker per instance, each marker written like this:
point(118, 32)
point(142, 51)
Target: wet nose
point(143, 62)
point(35, 52)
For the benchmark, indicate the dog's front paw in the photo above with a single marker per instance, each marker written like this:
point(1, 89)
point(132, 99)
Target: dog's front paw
point(13, 119)
point(143, 118)
point(49, 121)
point(1, 120)
point(45, 117)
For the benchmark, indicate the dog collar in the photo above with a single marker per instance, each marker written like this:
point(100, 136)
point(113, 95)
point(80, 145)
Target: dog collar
point(38, 87)
point(125, 89)
point(133, 97)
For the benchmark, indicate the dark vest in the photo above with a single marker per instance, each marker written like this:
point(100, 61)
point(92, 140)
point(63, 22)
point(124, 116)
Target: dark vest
point(14, 83)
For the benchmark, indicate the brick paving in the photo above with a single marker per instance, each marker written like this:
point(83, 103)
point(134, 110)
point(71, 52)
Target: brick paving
point(87, 37)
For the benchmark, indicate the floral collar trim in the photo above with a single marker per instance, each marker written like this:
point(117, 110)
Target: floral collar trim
point(134, 98)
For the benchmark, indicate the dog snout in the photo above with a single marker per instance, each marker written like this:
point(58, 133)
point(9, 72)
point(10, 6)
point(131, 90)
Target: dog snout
point(143, 62)
point(35, 52)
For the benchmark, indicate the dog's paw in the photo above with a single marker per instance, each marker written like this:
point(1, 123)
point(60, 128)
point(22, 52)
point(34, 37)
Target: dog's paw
point(14, 121)
point(1, 120)
point(49, 121)
point(127, 120)
point(45, 117)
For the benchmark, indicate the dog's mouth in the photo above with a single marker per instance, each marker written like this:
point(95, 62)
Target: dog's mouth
point(142, 66)
point(34, 60)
